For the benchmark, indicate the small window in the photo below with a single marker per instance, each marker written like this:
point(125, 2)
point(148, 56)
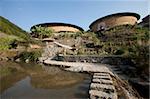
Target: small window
point(101, 26)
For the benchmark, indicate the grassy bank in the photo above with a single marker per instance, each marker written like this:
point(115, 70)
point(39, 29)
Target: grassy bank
point(9, 28)
point(30, 55)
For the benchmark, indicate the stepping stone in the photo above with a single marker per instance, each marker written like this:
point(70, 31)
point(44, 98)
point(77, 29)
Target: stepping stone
point(103, 87)
point(94, 94)
point(103, 77)
point(99, 74)
point(104, 72)
point(102, 81)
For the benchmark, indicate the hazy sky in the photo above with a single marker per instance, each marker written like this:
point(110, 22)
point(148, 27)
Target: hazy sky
point(26, 13)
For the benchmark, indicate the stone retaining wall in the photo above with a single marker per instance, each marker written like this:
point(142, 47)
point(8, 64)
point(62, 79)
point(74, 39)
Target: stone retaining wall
point(112, 60)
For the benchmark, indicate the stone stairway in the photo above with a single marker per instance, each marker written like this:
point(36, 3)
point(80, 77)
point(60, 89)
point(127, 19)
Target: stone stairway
point(117, 70)
point(102, 87)
point(105, 83)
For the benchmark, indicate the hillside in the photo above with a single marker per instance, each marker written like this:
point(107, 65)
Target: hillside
point(124, 39)
point(9, 28)
point(128, 41)
point(13, 40)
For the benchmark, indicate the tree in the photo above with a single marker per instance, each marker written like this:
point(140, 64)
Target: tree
point(42, 31)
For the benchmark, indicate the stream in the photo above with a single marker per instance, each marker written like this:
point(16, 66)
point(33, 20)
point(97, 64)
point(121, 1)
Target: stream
point(33, 81)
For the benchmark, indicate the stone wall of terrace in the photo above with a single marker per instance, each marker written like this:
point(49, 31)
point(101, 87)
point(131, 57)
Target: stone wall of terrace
point(112, 60)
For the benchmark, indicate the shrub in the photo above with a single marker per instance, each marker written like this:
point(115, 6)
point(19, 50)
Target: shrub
point(42, 32)
point(80, 51)
point(141, 58)
point(6, 43)
point(119, 52)
point(32, 56)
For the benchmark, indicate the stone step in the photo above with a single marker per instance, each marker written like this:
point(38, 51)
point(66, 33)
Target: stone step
point(102, 81)
point(102, 77)
point(104, 72)
point(97, 74)
point(103, 87)
point(94, 94)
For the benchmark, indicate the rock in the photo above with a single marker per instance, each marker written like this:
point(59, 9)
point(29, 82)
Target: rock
point(102, 77)
point(101, 74)
point(102, 81)
point(94, 94)
point(18, 60)
point(102, 87)
point(4, 58)
point(27, 60)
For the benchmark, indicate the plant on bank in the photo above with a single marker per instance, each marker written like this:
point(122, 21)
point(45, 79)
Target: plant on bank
point(42, 32)
point(31, 56)
point(7, 43)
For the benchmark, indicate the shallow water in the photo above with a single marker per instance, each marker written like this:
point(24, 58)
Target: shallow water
point(32, 81)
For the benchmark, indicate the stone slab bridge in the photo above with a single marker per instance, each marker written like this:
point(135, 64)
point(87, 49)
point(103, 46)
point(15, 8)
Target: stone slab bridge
point(102, 85)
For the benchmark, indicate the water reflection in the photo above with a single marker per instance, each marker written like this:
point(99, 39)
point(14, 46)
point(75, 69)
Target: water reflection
point(11, 73)
point(32, 81)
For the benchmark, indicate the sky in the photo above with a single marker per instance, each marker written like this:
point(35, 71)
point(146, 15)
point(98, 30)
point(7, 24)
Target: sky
point(26, 13)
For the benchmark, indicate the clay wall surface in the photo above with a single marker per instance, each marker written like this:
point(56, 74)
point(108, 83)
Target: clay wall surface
point(114, 21)
point(64, 28)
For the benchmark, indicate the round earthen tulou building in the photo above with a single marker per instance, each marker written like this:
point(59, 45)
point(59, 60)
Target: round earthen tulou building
point(60, 27)
point(113, 20)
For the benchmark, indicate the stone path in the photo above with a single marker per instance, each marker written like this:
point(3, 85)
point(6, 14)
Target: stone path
point(102, 85)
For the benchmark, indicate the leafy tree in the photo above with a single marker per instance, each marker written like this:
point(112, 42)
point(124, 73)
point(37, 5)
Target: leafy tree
point(42, 31)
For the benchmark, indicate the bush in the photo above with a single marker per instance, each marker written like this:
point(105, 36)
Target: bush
point(42, 32)
point(141, 58)
point(119, 52)
point(32, 56)
point(6, 43)
point(80, 51)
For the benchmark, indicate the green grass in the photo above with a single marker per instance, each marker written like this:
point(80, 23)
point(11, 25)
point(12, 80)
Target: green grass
point(9, 28)
point(5, 43)
point(7, 40)
point(32, 56)
point(128, 41)
point(11, 33)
